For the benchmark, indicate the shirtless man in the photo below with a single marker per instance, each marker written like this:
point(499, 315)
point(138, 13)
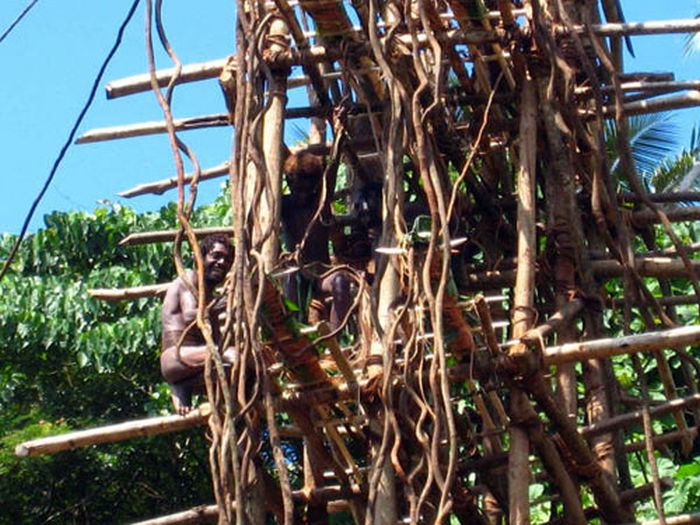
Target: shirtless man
point(183, 346)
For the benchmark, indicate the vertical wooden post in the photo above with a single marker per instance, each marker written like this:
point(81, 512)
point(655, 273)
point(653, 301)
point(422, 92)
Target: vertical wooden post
point(273, 135)
point(523, 302)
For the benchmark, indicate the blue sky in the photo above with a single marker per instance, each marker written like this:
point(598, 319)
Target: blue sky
point(49, 61)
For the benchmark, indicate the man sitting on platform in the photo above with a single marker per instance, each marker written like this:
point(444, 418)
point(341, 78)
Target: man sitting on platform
point(183, 346)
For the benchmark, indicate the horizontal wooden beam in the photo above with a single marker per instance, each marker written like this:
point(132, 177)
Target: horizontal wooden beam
point(644, 86)
point(608, 347)
point(199, 514)
point(143, 129)
point(672, 196)
point(660, 27)
point(129, 294)
point(657, 105)
point(602, 269)
point(113, 433)
point(161, 186)
point(169, 235)
point(210, 513)
point(142, 82)
point(151, 128)
point(632, 418)
point(648, 217)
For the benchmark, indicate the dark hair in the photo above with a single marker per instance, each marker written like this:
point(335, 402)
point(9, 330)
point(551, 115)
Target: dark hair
point(302, 164)
point(209, 241)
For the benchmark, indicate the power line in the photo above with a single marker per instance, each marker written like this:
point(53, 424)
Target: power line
point(71, 136)
point(18, 19)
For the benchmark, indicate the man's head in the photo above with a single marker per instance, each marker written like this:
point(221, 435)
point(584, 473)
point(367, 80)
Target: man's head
point(304, 172)
point(217, 253)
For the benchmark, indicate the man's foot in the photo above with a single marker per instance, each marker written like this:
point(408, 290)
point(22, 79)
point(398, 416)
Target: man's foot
point(182, 398)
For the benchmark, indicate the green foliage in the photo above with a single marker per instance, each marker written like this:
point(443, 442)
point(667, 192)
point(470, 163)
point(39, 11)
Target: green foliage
point(71, 362)
point(653, 138)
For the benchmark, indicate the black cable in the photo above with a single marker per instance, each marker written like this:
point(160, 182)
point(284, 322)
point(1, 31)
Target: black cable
point(69, 141)
point(18, 20)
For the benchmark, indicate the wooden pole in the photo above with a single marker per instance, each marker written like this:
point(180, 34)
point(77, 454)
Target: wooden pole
point(184, 124)
point(142, 82)
point(665, 27)
point(632, 418)
point(599, 348)
point(161, 186)
point(196, 515)
point(128, 294)
point(169, 235)
point(113, 433)
point(270, 207)
point(523, 303)
point(151, 128)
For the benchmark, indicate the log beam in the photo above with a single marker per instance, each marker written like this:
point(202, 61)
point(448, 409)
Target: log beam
point(600, 348)
point(112, 433)
point(128, 294)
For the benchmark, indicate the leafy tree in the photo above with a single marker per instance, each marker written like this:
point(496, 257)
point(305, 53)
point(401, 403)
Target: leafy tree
point(71, 362)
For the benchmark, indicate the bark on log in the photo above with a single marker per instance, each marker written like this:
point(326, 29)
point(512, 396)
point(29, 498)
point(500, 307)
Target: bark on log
point(113, 433)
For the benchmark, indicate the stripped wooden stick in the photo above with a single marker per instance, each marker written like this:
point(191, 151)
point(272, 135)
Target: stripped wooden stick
point(113, 433)
point(169, 235)
point(599, 348)
point(664, 27)
point(161, 186)
point(199, 514)
point(127, 294)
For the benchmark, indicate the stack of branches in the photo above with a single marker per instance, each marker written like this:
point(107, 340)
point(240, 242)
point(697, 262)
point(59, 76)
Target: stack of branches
point(488, 116)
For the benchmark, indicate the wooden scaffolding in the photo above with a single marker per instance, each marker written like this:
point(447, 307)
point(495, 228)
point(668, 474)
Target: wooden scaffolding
point(477, 361)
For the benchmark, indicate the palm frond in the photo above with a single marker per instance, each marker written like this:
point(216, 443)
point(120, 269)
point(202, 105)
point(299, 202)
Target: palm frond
point(680, 173)
point(652, 137)
point(692, 42)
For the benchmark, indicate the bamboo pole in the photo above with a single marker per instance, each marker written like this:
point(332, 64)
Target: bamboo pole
point(113, 433)
point(169, 235)
point(129, 294)
point(599, 348)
